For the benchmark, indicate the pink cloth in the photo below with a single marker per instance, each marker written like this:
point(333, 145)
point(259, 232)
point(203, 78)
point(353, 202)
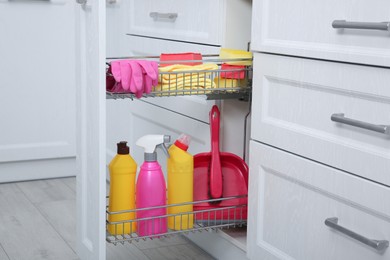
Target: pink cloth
point(232, 71)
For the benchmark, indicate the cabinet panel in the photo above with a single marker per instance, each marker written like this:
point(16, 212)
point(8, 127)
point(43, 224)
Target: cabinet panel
point(294, 99)
point(291, 197)
point(194, 21)
point(38, 78)
point(304, 28)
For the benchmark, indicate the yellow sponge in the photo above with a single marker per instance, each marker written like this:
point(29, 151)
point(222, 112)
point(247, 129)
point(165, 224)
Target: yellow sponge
point(236, 54)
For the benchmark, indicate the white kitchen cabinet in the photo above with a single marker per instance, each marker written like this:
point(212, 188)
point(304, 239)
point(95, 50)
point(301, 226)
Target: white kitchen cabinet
point(295, 196)
point(304, 28)
point(308, 162)
point(38, 88)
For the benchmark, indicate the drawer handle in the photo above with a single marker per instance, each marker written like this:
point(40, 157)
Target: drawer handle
point(342, 24)
point(376, 244)
point(340, 118)
point(167, 16)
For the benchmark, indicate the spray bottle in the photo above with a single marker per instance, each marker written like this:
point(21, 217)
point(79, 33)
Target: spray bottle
point(180, 184)
point(151, 187)
point(122, 169)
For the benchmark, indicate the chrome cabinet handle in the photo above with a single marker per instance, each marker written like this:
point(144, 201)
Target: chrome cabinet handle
point(343, 24)
point(376, 244)
point(340, 118)
point(169, 16)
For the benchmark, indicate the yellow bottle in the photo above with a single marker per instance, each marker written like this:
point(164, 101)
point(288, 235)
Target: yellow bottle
point(123, 170)
point(180, 184)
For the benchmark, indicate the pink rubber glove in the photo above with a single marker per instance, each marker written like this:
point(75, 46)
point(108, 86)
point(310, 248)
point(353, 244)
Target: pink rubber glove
point(122, 73)
point(150, 74)
point(136, 79)
point(116, 70)
point(125, 74)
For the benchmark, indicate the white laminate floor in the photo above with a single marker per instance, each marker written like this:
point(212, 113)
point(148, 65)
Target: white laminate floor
point(38, 221)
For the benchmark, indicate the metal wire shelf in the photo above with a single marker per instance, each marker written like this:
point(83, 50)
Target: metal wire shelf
point(221, 83)
point(213, 218)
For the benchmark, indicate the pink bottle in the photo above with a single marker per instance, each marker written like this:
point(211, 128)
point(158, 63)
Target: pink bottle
point(151, 188)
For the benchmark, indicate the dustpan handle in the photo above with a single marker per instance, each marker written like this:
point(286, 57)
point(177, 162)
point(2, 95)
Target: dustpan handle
point(215, 165)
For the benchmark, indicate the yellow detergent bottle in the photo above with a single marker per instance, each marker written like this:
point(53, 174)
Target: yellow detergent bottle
point(180, 184)
point(123, 170)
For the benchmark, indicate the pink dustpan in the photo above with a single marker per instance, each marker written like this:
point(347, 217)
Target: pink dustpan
point(219, 175)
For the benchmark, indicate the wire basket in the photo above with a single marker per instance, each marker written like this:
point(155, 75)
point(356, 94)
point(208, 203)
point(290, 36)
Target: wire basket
point(222, 82)
point(197, 220)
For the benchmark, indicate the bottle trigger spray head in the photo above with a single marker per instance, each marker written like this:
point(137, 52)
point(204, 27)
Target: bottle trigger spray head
point(150, 143)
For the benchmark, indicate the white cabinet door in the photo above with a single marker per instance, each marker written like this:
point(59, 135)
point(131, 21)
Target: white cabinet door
point(305, 28)
point(294, 100)
point(290, 198)
point(91, 108)
point(37, 82)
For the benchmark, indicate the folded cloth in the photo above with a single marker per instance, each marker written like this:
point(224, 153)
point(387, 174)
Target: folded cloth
point(186, 90)
point(232, 71)
point(197, 70)
point(187, 83)
point(195, 77)
point(228, 84)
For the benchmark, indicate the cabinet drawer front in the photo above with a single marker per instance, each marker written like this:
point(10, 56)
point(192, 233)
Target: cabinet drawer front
point(294, 99)
point(194, 21)
point(290, 198)
point(304, 28)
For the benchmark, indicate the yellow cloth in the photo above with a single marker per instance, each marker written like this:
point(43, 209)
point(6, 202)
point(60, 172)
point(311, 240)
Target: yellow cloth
point(179, 67)
point(195, 81)
point(181, 91)
point(230, 83)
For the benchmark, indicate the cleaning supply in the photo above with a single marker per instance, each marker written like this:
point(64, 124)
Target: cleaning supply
point(232, 71)
point(179, 58)
point(151, 188)
point(135, 76)
point(219, 175)
point(225, 53)
point(180, 184)
point(177, 77)
point(123, 170)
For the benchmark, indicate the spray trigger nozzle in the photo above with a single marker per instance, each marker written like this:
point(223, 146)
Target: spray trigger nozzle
point(164, 148)
point(151, 142)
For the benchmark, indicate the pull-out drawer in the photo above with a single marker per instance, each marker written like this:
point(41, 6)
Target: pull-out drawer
point(192, 106)
point(291, 198)
point(294, 100)
point(194, 21)
point(306, 28)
